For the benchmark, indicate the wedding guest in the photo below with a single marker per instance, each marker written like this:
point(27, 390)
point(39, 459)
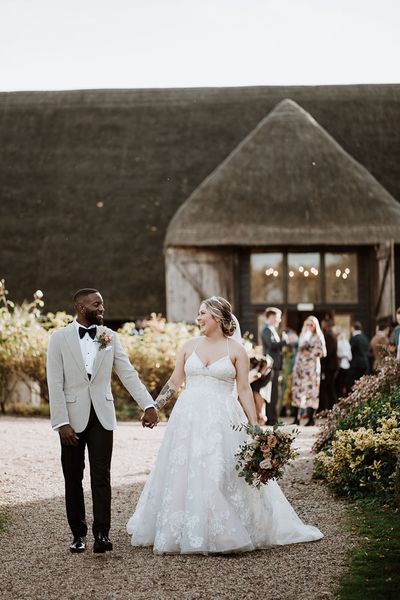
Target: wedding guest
point(344, 356)
point(379, 343)
point(329, 366)
point(307, 371)
point(140, 326)
point(289, 357)
point(259, 377)
point(272, 346)
point(359, 344)
point(394, 341)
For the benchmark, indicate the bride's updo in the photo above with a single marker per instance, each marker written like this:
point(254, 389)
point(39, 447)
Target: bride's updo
point(221, 310)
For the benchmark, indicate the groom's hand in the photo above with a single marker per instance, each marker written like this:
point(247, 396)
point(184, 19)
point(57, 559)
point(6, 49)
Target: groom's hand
point(68, 436)
point(150, 417)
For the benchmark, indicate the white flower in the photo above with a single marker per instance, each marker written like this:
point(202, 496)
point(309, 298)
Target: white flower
point(38, 294)
point(265, 464)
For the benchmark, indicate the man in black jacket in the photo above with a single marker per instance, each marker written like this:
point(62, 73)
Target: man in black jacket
point(329, 366)
point(272, 345)
point(359, 343)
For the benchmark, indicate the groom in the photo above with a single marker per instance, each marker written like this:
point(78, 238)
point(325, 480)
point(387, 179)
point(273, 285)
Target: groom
point(80, 360)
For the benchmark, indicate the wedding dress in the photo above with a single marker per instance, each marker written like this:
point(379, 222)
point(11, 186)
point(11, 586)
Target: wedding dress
point(194, 501)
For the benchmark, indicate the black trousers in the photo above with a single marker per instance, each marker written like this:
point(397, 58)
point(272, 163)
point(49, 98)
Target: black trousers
point(271, 407)
point(355, 373)
point(327, 390)
point(99, 442)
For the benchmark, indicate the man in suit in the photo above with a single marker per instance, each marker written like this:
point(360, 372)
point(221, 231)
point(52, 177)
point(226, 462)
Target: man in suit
point(329, 367)
point(80, 360)
point(359, 364)
point(272, 345)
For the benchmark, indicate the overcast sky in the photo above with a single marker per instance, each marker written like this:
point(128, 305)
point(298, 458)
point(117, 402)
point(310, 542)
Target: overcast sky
point(71, 44)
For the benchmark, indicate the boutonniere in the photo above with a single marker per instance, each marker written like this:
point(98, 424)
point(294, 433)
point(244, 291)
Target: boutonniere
point(104, 340)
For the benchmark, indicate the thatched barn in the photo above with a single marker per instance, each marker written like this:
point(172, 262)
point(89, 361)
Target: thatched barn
point(90, 181)
point(288, 218)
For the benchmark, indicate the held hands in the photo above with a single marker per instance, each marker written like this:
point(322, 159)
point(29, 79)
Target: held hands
point(150, 418)
point(68, 436)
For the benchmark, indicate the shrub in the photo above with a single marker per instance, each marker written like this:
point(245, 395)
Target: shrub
point(28, 410)
point(23, 342)
point(363, 462)
point(24, 335)
point(359, 446)
point(370, 388)
point(153, 354)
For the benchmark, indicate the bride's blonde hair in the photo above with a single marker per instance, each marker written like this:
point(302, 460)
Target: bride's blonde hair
point(221, 310)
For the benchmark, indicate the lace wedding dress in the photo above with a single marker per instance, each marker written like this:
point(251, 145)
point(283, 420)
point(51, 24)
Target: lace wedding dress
point(194, 501)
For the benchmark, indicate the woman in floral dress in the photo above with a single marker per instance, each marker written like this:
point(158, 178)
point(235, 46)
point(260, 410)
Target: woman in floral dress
point(307, 371)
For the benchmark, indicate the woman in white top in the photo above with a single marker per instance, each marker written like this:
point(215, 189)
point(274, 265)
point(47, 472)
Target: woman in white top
point(344, 356)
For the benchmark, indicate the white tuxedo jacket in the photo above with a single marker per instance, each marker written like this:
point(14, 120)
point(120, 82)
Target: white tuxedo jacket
point(70, 391)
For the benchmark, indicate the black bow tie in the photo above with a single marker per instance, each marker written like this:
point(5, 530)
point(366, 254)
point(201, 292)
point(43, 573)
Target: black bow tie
point(91, 332)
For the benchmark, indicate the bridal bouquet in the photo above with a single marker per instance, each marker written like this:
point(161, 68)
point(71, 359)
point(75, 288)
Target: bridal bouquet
point(265, 455)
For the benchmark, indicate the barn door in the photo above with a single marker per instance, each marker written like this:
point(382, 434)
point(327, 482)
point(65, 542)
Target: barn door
point(194, 274)
point(385, 297)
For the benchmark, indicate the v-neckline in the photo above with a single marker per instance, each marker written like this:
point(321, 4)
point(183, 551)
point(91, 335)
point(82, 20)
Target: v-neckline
point(210, 364)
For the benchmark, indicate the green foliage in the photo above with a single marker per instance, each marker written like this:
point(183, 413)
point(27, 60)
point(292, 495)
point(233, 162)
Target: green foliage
point(369, 388)
point(374, 565)
point(4, 521)
point(362, 462)
point(370, 413)
point(360, 445)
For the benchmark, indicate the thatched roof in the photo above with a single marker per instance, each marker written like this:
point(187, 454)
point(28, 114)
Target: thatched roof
point(142, 153)
point(287, 182)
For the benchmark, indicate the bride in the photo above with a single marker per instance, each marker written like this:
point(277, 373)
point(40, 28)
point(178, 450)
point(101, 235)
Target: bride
point(194, 501)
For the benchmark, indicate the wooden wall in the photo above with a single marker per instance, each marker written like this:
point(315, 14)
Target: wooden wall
point(193, 274)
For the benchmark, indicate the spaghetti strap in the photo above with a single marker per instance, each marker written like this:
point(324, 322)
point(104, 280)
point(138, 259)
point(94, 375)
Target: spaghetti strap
point(197, 343)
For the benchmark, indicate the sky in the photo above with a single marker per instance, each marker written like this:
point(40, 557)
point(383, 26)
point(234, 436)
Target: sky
point(86, 44)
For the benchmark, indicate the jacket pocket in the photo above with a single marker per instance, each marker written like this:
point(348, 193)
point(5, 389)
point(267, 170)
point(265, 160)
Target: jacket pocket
point(70, 398)
point(109, 396)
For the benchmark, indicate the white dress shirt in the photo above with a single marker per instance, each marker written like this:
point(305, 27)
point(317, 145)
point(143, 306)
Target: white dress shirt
point(274, 333)
point(89, 348)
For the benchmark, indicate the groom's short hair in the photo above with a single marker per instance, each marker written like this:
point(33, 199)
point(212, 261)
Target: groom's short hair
point(84, 292)
point(272, 310)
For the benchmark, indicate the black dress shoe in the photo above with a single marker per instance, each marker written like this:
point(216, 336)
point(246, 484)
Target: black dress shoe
point(101, 543)
point(78, 545)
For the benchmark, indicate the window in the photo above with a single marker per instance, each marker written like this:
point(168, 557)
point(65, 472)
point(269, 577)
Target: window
point(304, 279)
point(341, 278)
point(267, 278)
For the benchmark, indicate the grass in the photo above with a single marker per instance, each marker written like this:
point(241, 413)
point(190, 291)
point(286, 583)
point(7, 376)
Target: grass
point(4, 520)
point(375, 564)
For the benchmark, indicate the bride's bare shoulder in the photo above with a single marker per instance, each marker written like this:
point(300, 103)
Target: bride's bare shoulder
point(236, 348)
point(190, 344)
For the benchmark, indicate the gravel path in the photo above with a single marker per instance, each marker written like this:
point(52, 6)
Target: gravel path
point(35, 562)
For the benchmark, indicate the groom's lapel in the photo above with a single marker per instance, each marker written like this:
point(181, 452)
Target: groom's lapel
point(71, 336)
point(100, 353)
